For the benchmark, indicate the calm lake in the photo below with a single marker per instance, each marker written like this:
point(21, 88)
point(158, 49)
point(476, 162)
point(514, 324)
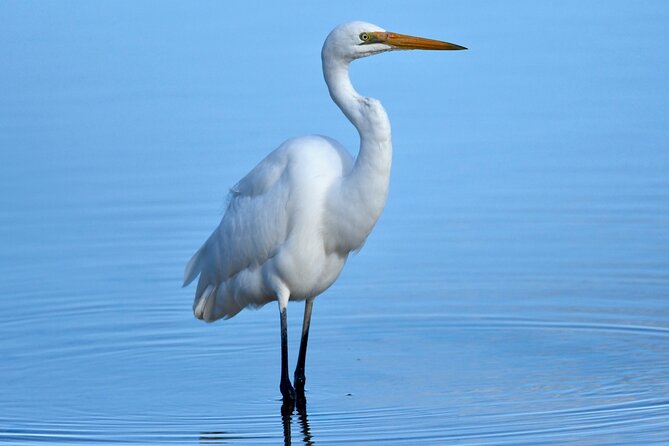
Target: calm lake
point(515, 290)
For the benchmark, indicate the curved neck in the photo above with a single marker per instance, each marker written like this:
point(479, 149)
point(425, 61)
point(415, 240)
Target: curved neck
point(365, 188)
point(366, 114)
point(341, 90)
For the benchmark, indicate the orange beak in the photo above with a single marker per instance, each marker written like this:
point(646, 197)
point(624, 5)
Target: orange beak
point(404, 42)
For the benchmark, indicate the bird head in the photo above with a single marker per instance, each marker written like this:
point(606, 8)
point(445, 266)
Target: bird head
point(353, 40)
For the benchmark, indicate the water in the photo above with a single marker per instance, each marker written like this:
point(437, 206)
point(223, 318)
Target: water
point(514, 291)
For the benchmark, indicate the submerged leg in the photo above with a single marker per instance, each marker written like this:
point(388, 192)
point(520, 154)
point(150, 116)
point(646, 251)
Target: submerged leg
point(286, 387)
point(299, 370)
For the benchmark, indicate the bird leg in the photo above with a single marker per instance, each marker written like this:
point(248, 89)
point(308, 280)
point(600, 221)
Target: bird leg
point(299, 370)
point(286, 387)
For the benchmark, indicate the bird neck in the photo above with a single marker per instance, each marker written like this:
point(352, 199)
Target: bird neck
point(365, 187)
point(366, 114)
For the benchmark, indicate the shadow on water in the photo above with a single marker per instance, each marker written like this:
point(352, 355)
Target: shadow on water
point(214, 437)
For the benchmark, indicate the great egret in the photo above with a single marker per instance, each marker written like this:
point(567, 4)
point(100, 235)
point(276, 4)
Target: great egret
point(293, 220)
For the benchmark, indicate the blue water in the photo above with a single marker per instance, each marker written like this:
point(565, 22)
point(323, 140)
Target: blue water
point(515, 291)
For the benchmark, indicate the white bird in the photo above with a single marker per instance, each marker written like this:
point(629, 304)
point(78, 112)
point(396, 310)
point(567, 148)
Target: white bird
point(293, 220)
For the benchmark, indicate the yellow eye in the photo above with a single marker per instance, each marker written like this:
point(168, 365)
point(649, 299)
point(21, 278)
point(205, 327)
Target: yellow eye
point(364, 37)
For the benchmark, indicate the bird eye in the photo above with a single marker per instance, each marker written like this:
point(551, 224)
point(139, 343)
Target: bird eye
point(364, 37)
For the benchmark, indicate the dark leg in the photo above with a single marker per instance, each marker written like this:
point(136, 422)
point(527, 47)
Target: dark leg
point(299, 370)
point(287, 389)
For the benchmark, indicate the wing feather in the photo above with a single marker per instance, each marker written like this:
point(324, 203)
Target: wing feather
point(284, 191)
point(254, 226)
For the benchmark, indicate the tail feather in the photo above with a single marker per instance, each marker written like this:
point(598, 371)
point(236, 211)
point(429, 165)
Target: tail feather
point(211, 300)
point(203, 305)
point(194, 267)
point(215, 298)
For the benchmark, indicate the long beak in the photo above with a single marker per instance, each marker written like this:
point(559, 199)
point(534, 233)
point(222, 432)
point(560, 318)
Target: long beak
point(404, 42)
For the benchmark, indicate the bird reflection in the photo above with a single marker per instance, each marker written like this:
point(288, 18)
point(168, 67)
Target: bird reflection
point(288, 409)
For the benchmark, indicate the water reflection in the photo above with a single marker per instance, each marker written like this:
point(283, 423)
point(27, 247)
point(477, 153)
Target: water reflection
point(214, 437)
point(290, 412)
point(288, 409)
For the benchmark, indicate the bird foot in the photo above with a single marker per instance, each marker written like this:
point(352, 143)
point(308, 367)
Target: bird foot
point(299, 380)
point(287, 390)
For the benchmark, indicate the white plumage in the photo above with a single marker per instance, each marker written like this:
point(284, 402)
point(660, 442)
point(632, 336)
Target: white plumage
point(278, 232)
point(292, 221)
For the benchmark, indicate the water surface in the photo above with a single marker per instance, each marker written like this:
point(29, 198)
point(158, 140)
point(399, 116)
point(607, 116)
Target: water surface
point(514, 291)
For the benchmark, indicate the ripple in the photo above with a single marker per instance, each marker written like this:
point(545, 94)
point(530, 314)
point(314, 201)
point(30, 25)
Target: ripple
point(399, 425)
